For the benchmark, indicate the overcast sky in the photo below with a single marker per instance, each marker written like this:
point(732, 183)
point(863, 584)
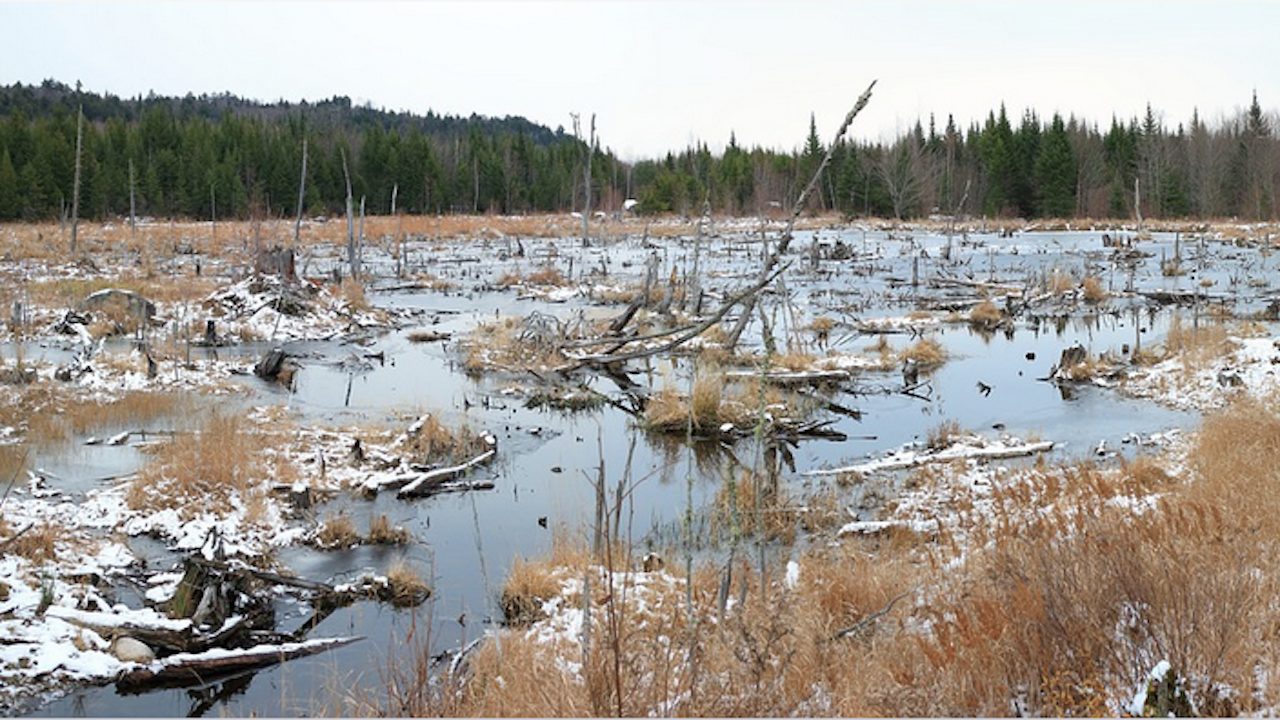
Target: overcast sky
point(659, 75)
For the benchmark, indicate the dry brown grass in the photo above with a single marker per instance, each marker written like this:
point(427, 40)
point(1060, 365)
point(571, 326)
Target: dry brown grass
point(338, 532)
point(793, 361)
point(212, 469)
point(71, 292)
point(406, 585)
point(821, 328)
point(36, 542)
point(1060, 282)
point(382, 532)
point(1092, 289)
point(527, 587)
point(52, 414)
point(985, 315)
point(929, 353)
point(530, 583)
point(13, 461)
point(944, 434)
point(1198, 343)
point(544, 276)
point(430, 441)
point(352, 293)
point(508, 344)
point(1065, 600)
point(711, 404)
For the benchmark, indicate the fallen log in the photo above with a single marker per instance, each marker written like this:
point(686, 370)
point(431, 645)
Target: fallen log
point(191, 668)
point(959, 451)
point(428, 482)
point(793, 377)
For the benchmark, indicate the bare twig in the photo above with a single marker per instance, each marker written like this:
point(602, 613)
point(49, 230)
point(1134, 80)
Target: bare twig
point(866, 622)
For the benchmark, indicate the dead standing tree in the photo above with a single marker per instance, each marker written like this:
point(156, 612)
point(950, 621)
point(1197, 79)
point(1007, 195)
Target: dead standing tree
point(353, 254)
point(591, 151)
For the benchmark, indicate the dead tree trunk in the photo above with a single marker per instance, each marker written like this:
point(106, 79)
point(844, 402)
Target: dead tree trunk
point(75, 188)
point(302, 193)
point(133, 206)
point(353, 258)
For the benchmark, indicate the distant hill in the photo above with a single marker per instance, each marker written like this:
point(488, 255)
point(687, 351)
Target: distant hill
point(52, 98)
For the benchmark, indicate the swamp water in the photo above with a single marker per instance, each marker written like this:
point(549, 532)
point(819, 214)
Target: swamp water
point(548, 460)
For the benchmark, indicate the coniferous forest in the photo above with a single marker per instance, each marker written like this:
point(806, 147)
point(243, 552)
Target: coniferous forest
point(226, 157)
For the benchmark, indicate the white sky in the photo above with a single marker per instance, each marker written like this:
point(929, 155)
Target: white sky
point(659, 75)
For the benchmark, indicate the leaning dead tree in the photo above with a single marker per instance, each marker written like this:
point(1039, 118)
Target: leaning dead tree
point(302, 194)
point(780, 249)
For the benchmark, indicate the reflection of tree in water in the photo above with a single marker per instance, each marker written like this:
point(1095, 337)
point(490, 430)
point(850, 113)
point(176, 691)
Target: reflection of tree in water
point(708, 456)
point(204, 698)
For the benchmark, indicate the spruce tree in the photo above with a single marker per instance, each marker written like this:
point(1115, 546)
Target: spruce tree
point(1055, 172)
point(10, 200)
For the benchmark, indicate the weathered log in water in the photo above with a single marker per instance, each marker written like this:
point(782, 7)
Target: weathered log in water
point(438, 480)
point(796, 377)
point(192, 668)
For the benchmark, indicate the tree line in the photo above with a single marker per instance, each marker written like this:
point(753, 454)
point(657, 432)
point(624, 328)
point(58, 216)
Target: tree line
point(225, 157)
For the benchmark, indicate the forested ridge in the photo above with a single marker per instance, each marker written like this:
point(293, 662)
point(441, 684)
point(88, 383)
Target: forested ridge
point(227, 157)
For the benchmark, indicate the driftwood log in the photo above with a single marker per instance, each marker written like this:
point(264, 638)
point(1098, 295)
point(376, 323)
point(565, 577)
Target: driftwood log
point(193, 668)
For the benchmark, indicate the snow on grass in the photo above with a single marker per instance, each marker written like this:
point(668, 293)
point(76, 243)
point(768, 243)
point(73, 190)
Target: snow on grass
point(1252, 368)
point(970, 447)
point(647, 595)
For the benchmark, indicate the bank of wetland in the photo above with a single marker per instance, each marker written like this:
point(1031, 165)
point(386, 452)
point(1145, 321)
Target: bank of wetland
point(704, 466)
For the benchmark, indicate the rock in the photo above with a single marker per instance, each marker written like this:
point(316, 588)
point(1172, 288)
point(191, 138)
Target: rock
point(127, 649)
